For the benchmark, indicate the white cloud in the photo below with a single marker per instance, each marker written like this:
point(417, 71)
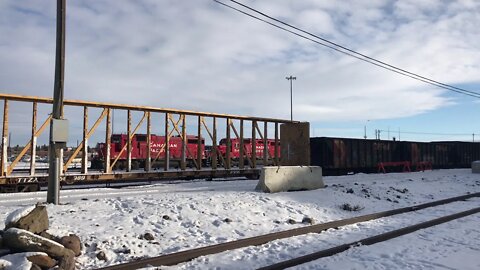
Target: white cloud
point(198, 55)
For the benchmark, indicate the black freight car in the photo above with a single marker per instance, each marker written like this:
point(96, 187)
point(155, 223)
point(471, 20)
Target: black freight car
point(339, 156)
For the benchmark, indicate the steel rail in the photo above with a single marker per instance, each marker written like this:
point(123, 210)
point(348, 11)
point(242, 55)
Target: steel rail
point(187, 255)
point(137, 108)
point(369, 241)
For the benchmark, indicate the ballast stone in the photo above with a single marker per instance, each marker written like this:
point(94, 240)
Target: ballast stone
point(476, 166)
point(290, 178)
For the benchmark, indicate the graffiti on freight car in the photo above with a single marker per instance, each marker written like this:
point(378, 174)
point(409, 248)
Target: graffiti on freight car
point(24, 180)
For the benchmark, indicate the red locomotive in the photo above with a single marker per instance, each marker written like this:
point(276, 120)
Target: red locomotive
point(139, 150)
point(157, 150)
point(247, 148)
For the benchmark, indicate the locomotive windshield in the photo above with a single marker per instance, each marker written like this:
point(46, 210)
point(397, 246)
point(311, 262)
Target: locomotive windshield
point(116, 138)
point(141, 138)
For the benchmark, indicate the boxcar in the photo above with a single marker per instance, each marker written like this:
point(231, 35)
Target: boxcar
point(343, 155)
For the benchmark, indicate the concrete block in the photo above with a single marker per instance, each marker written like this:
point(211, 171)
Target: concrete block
point(476, 166)
point(290, 178)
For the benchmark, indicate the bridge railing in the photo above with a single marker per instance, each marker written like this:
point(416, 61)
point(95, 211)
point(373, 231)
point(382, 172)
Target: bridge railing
point(169, 123)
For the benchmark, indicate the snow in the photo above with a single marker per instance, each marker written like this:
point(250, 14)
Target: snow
point(185, 215)
point(18, 261)
point(18, 214)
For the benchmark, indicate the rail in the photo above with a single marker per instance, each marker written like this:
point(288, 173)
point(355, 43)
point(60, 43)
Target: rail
point(187, 255)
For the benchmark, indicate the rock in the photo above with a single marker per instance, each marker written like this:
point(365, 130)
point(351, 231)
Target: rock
point(166, 217)
point(49, 236)
point(18, 239)
point(67, 262)
point(350, 190)
point(291, 221)
point(73, 243)
point(34, 267)
point(148, 236)
point(227, 220)
point(101, 256)
point(308, 220)
point(43, 261)
point(36, 221)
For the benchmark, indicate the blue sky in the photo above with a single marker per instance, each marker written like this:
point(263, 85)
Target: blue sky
point(198, 55)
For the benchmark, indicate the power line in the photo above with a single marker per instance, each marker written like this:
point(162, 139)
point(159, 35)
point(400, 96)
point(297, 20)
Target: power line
point(347, 51)
point(429, 133)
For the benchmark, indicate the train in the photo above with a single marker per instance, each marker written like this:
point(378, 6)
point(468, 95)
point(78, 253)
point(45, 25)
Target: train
point(336, 156)
point(339, 156)
point(139, 149)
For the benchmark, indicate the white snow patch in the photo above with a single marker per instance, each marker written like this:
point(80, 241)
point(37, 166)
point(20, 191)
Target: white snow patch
point(188, 215)
point(18, 261)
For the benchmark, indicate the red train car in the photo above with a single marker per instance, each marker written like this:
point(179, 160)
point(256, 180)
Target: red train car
point(247, 144)
point(140, 149)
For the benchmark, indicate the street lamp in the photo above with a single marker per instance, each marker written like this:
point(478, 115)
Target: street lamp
point(365, 130)
point(291, 78)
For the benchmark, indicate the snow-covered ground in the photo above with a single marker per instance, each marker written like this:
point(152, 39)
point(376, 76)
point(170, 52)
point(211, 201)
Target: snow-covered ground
point(186, 215)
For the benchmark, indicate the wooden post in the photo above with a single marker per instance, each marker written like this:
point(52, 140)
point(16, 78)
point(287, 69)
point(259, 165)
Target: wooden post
point(148, 161)
point(276, 145)
point(265, 144)
point(183, 164)
point(199, 144)
point(167, 142)
point(4, 164)
point(85, 141)
point(129, 142)
point(33, 141)
point(229, 146)
point(241, 158)
point(254, 144)
point(214, 144)
point(108, 141)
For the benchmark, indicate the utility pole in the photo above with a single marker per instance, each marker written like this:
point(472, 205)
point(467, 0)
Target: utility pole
point(58, 126)
point(365, 130)
point(291, 78)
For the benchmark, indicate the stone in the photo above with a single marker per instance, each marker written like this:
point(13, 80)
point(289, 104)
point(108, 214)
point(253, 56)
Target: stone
point(36, 221)
point(49, 236)
point(148, 236)
point(42, 261)
point(101, 256)
point(290, 178)
point(34, 267)
point(73, 243)
point(227, 220)
point(18, 239)
point(291, 221)
point(67, 262)
point(308, 220)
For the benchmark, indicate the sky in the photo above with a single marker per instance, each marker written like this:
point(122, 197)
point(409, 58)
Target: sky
point(199, 55)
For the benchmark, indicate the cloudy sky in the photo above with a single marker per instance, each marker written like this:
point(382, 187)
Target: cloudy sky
point(199, 55)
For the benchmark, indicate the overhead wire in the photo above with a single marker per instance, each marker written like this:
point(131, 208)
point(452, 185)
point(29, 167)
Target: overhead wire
point(345, 50)
point(428, 133)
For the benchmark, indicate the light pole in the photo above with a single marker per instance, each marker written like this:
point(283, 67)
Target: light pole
point(365, 130)
point(291, 78)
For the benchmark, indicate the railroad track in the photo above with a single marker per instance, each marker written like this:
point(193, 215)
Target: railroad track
point(187, 255)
